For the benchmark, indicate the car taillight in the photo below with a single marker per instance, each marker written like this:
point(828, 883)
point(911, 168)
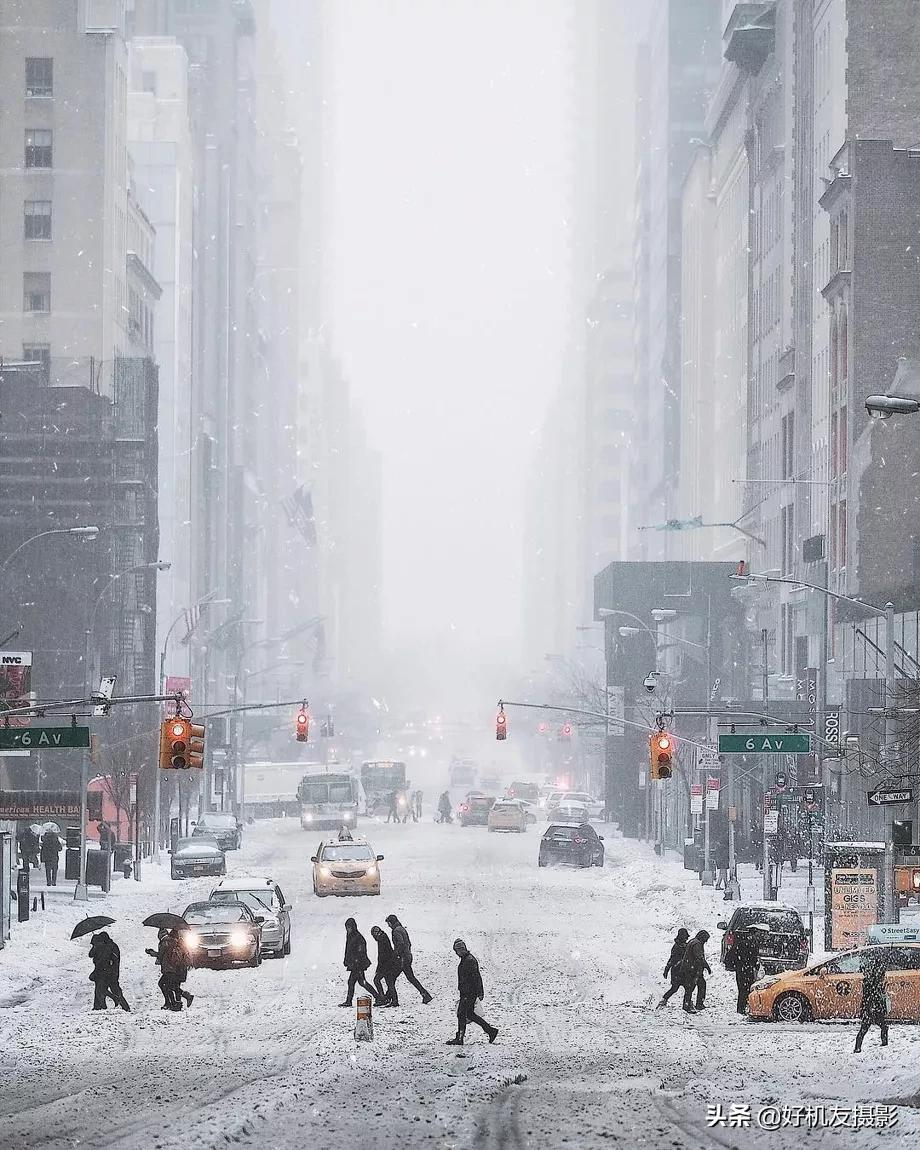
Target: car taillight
point(803, 946)
point(581, 842)
point(729, 938)
point(464, 807)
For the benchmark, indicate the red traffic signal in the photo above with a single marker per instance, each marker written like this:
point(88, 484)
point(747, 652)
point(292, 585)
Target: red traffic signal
point(565, 731)
point(501, 726)
point(302, 726)
point(660, 750)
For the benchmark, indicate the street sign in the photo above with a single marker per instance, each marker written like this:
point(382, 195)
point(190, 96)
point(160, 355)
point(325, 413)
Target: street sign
point(616, 709)
point(881, 798)
point(775, 743)
point(771, 822)
point(707, 758)
point(42, 738)
point(712, 794)
point(696, 798)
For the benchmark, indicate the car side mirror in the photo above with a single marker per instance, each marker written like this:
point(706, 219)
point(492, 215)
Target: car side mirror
point(193, 823)
point(379, 858)
point(600, 838)
point(288, 906)
point(260, 918)
point(169, 850)
point(313, 858)
point(721, 926)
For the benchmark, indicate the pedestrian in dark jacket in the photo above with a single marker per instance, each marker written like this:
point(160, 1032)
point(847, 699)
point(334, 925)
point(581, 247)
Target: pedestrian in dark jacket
point(469, 983)
point(720, 863)
point(51, 848)
point(356, 962)
point(171, 959)
point(743, 956)
point(693, 966)
point(387, 968)
point(402, 948)
point(29, 846)
point(673, 964)
point(393, 807)
point(444, 815)
point(874, 1008)
point(106, 970)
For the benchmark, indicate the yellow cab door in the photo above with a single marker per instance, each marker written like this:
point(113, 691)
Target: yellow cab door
point(902, 982)
point(837, 990)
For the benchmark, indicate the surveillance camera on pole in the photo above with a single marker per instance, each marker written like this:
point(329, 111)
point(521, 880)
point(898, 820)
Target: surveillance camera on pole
point(885, 406)
point(651, 681)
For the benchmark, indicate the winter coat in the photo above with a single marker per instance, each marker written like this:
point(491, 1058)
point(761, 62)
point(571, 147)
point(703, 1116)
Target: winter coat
point(444, 804)
point(744, 953)
point(51, 847)
point(720, 855)
point(171, 956)
point(28, 842)
point(356, 951)
point(387, 962)
point(469, 980)
point(874, 1002)
point(694, 962)
point(106, 958)
point(402, 944)
point(677, 952)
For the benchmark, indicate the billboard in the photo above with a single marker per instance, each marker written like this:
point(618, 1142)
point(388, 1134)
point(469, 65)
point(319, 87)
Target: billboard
point(854, 906)
point(15, 687)
point(39, 805)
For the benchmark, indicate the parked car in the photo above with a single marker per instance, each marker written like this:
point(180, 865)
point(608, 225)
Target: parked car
point(519, 789)
point(474, 810)
point(784, 947)
point(263, 897)
point(345, 868)
point(222, 934)
point(226, 828)
point(833, 989)
point(568, 813)
point(595, 807)
point(507, 815)
point(578, 846)
point(197, 855)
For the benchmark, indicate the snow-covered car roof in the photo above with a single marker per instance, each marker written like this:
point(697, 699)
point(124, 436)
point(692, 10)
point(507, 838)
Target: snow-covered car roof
point(765, 905)
point(245, 883)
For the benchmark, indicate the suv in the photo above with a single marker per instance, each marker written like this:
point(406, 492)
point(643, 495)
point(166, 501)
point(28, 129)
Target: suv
point(571, 846)
point(474, 810)
point(223, 827)
point(267, 903)
point(520, 789)
point(785, 947)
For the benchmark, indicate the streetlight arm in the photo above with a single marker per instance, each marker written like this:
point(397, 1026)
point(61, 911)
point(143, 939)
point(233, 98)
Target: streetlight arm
point(811, 587)
point(86, 531)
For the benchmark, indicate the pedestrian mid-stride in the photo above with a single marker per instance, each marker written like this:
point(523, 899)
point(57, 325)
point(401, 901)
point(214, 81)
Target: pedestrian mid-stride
point(356, 963)
point(469, 983)
point(402, 948)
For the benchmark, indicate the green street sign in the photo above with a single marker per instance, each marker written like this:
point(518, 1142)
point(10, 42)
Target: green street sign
point(42, 738)
point(762, 743)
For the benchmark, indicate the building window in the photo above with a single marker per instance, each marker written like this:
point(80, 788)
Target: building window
point(36, 291)
point(37, 219)
point(38, 353)
point(843, 253)
point(149, 82)
point(844, 351)
point(39, 76)
point(788, 460)
point(842, 450)
point(842, 534)
point(38, 148)
point(835, 462)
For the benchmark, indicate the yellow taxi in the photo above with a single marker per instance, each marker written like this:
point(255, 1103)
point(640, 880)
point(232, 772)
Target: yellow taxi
point(833, 988)
point(345, 867)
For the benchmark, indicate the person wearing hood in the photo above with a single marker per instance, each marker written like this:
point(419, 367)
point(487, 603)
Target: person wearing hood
point(444, 815)
point(170, 956)
point(387, 968)
point(469, 983)
point(671, 967)
point(402, 948)
point(743, 956)
point(692, 969)
point(29, 845)
point(874, 1006)
point(50, 850)
point(356, 963)
point(106, 970)
point(345, 835)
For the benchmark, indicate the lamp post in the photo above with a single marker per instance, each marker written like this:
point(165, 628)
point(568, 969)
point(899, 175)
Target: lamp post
point(80, 893)
point(886, 612)
point(86, 532)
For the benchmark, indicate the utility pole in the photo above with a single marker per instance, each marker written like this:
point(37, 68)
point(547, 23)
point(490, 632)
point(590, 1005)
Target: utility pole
point(889, 905)
point(764, 775)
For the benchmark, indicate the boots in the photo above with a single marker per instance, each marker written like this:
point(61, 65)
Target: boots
point(457, 1040)
point(493, 1034)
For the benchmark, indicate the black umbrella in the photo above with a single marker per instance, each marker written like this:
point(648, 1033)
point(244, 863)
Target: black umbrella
point(165, 918)
point(88, 925)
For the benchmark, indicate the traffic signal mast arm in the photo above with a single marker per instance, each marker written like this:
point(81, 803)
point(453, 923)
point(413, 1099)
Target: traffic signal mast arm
point(600, 715)
point(74, 705)
point(765, 720)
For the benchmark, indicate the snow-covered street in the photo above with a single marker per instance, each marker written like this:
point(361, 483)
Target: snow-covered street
point(571, 961)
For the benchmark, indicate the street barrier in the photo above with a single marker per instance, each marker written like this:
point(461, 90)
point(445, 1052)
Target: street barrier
point(364, 1022)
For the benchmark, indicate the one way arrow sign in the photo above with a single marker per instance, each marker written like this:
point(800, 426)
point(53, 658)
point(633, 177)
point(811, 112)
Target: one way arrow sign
point(890, 798)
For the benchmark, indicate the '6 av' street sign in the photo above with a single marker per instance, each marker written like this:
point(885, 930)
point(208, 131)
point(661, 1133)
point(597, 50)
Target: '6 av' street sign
point(776, 743)
point(42, 738)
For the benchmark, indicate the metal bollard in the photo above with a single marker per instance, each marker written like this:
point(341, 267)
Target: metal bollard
point(364, 1022)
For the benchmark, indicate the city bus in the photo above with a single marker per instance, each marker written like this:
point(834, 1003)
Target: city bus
point(330, 799)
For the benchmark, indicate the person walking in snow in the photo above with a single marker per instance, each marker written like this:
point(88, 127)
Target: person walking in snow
point(106, 971)
point(29, 846)
point(387, 968)
point(743, 956)
point(469, 984)
point(356, 963)
point(672, 966)
point(50, 850)
point(418, 805)
point(444, 815)
point(874, 1007)
point(393, 807)
point(170, 956)
point(692, 969)
point(402, 949)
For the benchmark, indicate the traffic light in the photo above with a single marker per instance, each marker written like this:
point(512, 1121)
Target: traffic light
point(501, 725)
point(660, 751)
point(565, 731)
point(175, 736)
point(196, 734)
point(302, 726)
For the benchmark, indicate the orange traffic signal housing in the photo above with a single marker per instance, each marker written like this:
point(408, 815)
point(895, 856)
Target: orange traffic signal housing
point(660, 752)
point(302, 726)
point(501, 726)
point(175, 735)
point(196, 733)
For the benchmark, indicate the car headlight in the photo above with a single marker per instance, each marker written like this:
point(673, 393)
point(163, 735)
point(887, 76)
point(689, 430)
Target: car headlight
point(348, 815)
point(372, 869)
point(308, 818)
point(192, 940)
point(324, 872)
point(766, 983)
point(239, 939)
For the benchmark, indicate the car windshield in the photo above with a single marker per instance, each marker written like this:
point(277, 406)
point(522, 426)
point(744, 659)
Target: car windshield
point(216, 822)
point(258, 902)
point(201, 913)
point(347, 852)
point(561, 833)
point(779, 921)
point(480, 801)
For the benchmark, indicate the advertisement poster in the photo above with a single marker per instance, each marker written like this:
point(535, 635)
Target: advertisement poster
point(176, 685)
point(39, 805)
point(854, 906)
point(15, 687)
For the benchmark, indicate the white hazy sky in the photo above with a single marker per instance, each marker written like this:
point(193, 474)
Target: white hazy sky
point(450, 282)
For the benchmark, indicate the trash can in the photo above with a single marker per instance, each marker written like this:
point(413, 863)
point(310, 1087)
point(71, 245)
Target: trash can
point(99, 869)
point(72, 863)
point(124, 852)
point(691, 855)
point(126, 868)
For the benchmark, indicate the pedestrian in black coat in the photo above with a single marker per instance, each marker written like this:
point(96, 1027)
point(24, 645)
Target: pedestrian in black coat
point(469, 984)
point(444, 814)
point(29, 845)
point(693, 966)
point(387, 968)
point(874, 1007)
point(673, 964)
point(173, 964)
point(106, 970)
point(393, 807)
point(743, 956)
point(356, 962)
point(51, 848)
point(402, 948)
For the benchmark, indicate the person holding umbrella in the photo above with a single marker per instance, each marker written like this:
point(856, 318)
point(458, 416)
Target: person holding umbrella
point(50, 850)
point(106, 969)
point(171, 959)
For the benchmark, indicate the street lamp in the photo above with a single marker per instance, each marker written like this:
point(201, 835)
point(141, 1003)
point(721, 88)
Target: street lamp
point(81, 893)
point(885, 406)
point(85, 532)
